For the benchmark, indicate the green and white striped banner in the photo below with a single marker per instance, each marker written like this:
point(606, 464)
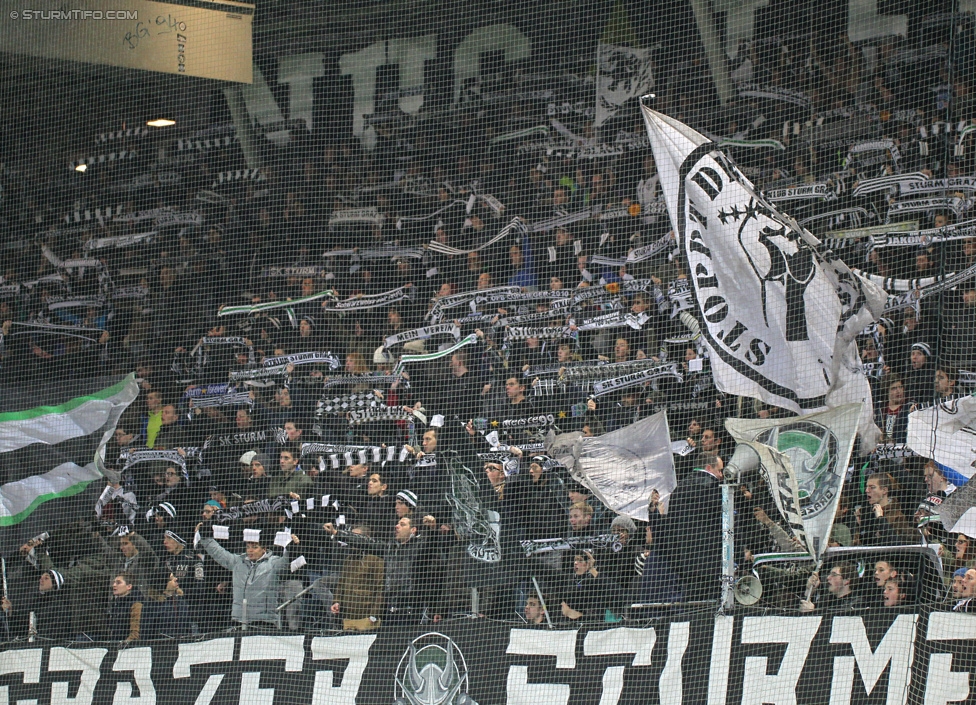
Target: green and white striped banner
point(541, 130)
point(752, 144)
point(269, 305)
point(407, 359)
point(65, 441)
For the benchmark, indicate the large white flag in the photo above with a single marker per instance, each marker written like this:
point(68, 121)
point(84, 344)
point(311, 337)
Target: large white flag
point(622, 73)
point(804, 461)
point(778, 318)
point(622, 467)
point(946, 433)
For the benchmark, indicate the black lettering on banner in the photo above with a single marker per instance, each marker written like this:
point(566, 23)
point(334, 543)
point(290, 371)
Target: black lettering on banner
point(713, 186)
point(696, 216)
point(704, 278)
point(730, 338)
point(758, 350)
point(715, 309)
point(696, 244)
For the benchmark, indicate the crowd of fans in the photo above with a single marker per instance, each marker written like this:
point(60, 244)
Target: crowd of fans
point(197, 285)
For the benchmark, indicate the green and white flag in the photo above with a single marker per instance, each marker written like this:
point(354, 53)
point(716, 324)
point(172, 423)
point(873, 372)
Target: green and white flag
point(807, 461)
point(54, 452)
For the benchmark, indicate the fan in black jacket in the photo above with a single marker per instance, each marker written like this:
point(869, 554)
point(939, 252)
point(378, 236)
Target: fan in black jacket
point(692, 542)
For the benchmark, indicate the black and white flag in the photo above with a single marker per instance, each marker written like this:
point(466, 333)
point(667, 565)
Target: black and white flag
point(778, 318)
point(946, 432)
point(622, 73)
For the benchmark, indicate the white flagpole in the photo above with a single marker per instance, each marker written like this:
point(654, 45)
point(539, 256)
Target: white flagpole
point(596, 103)
point(728, 547)
point(542, 602)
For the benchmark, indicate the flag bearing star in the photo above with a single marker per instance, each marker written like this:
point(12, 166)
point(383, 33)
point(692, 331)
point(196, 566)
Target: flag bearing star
point(734, 213)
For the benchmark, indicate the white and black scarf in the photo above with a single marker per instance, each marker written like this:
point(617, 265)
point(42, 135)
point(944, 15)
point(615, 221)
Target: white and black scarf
point(350, 402)
point(456, 300)
point(554, 368)
point(371, 301)
point(615, 319)
point(888, 182)
point(133, 456)
point(313, 270)
point(527, 318)
point(304, 358)
point(516, 227)
point(238, 176)
point(524, 333)
point(384, 413)
point(573, 543)
point(271, 305)
point(922, 238)
point(258, 373)
point(256, 437)
point(371, 381)
point(350, 454)
point(633, 379)
point(230, 398)
point(913, 295)
point(922, 205)
point(804, 192)
point(499, 300)
point(120, 241)
point(261, 506)
point(424, 333)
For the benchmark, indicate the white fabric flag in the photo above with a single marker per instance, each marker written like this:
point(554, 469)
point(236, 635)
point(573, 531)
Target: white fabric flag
point(946, 433)
point(958, 511)
point(622, 73)
point(778, 318)
point(622, 467)
point(807, 460)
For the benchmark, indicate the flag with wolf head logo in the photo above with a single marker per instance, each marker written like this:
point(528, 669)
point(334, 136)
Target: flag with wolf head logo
point(805, 466)
point(622, 73)
point(779, 318)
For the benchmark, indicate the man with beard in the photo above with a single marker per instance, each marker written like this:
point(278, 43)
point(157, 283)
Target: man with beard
point(957, 588)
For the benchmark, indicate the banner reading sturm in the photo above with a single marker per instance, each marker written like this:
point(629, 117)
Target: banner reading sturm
point(878, 657)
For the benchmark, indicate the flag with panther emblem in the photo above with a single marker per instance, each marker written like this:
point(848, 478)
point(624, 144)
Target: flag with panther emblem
point(778, 315)
point(623, 73)
point(805, 466)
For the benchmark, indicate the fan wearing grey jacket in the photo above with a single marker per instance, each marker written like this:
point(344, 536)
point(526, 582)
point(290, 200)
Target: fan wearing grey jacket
point(255, 579)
